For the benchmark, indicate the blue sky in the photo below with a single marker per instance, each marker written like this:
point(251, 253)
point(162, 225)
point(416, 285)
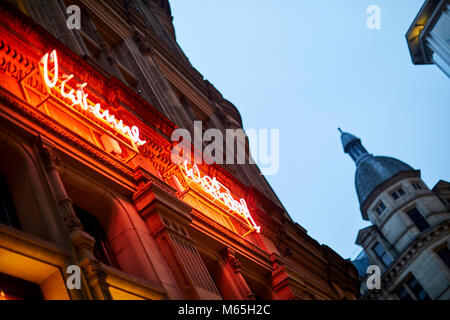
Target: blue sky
point(308, 67)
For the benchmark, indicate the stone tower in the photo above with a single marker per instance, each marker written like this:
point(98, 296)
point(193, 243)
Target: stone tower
point(409, 235)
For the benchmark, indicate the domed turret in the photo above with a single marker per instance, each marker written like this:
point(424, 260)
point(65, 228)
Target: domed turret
point(371, 171)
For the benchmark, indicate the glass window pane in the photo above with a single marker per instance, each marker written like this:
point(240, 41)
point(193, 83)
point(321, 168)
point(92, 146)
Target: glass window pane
point(387, 260)
point(417, 289)
point(418, 219)
point(444, 254)
point(378, 249)
point(403, 294)
point(102, 249)
point(8, 214)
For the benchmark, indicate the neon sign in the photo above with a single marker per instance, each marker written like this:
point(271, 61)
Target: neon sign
point(80, 98)
point(219, 193)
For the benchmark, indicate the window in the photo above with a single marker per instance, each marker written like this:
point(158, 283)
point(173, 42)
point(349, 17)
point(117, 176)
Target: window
point(411, 289)
point(380, 208)
point(12, 288)
point(417, 289)
point(418, 219)
point(382, 254)
point(417, 185)
point(403, 294)
point(8, 214)
point(444, 254)
point(398, 193)
point(102, 248)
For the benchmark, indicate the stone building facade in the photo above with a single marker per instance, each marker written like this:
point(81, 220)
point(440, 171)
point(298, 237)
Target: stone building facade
point(87, 178)
point(409, 236)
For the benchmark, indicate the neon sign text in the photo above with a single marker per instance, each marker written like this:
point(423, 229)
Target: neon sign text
point(219, 192)
point(79, 98)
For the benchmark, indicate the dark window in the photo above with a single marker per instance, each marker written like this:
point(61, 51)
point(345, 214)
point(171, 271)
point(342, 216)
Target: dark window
point(380, 208)
point(382, 254)
point(12, 288)
point(417, 289)
point(403, 294)
point(411, 289)
point(398, 193)
point(418, 219)
point(444, 254)
point(102, 248)
point(8, 214)
point(417, 186)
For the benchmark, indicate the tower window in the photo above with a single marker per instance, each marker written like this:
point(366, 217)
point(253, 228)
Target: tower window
point(382, 254)
point(417, 186)
point(8, 214)
point(398, 193)
point(102, 248)
point(417, 289)
point(403, 294)
point(380, 208)
point(444, 254)
point(418, 219)
point(412, 289)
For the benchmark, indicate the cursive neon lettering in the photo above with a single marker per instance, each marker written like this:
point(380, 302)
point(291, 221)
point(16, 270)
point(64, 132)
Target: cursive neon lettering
point(219, 192)
point(79, 98)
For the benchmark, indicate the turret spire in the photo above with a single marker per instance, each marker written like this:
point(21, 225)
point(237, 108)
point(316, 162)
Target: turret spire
point(353, 146)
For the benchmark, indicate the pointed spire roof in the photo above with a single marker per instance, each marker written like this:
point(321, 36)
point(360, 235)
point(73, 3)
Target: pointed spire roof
point(347, 138)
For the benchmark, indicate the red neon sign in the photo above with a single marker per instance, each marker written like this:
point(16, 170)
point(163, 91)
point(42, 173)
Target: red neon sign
point(220, 193)
point(80, 98)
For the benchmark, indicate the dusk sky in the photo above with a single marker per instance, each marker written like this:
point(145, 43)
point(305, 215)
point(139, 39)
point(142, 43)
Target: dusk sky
point(309, 67)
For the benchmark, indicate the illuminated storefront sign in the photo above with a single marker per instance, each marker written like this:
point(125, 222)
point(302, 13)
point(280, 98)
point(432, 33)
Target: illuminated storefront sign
point(219, 193)
point(79, 97)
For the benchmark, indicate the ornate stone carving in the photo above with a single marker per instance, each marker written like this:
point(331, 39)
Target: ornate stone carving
point(230, 258)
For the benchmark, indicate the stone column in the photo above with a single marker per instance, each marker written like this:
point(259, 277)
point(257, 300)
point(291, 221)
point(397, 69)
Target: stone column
point(235, 266)
point(81, 242)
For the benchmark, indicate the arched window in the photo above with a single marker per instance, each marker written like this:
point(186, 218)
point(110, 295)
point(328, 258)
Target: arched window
point(102, 248)
point(8, 213)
